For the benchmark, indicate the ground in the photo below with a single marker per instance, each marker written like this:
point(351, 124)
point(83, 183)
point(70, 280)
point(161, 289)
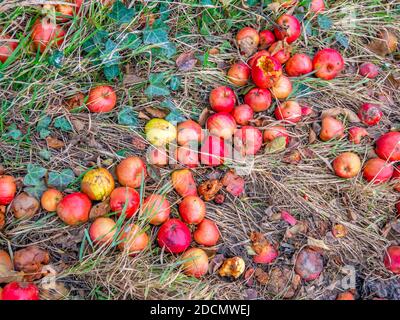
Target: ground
point(133, 46)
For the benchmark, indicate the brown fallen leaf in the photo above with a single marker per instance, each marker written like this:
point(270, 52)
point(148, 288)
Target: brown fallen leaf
point(213, 51)
point(8, 275)
point(209, 189)
point(261, 276)
point(100, 209)
point(250, 294)
point(139, 143)
point(215, 263)
point(131, 79)
point(283, 283)
point(186, 61)
point(275, 146)
point(78, 125)
point(30, 260)
point(334, 112)
point(317, 244)
point(54, 143)
point(142, 115)
point(249, 277)
point(300, 228)
point(385, 43)
point(75, 101)
point(156, 112)
point(293, 157)
point(247, 46)
point(312, 136)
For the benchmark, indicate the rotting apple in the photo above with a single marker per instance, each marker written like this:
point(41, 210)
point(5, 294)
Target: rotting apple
point(160, 132)
point(267, 254)
point(222, 99)
point(266, 71)
point(8, 189)
point(258, 99)
point(248, 140)
point(369, 70)
point(101, 99)
point(392, 259)
point(214, 151)
point(289, 112)
point(192, 209)
point(174, 236)
point(309, 264)
point(388, 40)
point(46, 33)
point(281, 51)
point(331, 128)
point(206, 233)
point(256, 56)
point(317, 6)
point(221, 124)
point(187, 156)
point(50, 199)
point(183, 182)
point(282, 88)
point(157, 156)
point(133, 239)
point(7, 47)
point(356, 134)
point(102, 230)
point(248, 40)
point(242, 114)
point(388, 146)
point(377, 171)
point(24, 206)
point(299, 65)
point(97, 184)
point(347, 165)
point(288, 28)
point(370, 114)
point(327, 64)
point(239, 73)
point(195, 262)
point(125, 200)
point(267, 38)
point(156, 208)
point(131, 172)
point(20, 291)
point(189, 131)
point(74, 208)
point(274, 132)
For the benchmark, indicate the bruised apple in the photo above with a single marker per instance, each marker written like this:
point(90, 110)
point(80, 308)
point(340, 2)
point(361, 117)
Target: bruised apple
point(242, 114)
point(46, 33)
point(20, 291)
point(174, 236)
point(258, 99)
point(248, 40)
point(101, 99)
point(7, 47)
point(133, 239)
point(221, 124)
point(248, 140)
point(74, 208)
point(369, 70)
point(288, 28)
point(392, 259)
point(189, 131)
point(266, 71)
point(187, 156)
point(213, 151)
point(195, 262)
point(370, 114)
point(377, 171)
point(266, 39)
point(192, 209)
point(222, 99)
point(281, 51)
point(131, 172)
point(282, 88)
point(157, 156)
point(298, 65)
point(183, 182)
point(328, 63)
point(274, 132)
point(239, 73)
point(8, 189)
point(288, 111)
point(24, 206)
point(160, 132)
point(206, 233)
point(50, 199)
point(331, 128)
point(157, 208)
point(102, 230)
point(309, 264)
point(356, 134)
point(125, 200)
point(256, 56)
point(97, 184)
point(388, 146)
point(347, 165)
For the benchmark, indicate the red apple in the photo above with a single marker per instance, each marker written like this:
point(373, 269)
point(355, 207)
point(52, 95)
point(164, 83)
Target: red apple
point(189, 131)
point(370, 114)
point(388, 146)
point(256, 56)
point(356, 134)
point(258, 99)
point(317, 6)
point(125, 199)
point(288, 111)
point(157, 208)
point(222, 99)
point(347, 165)
point(103, 230)
point(131, 172)
point(20, 291)
point(266, 39)
point(74, 208)
point(298, 65)
point(101, 99)
point(8, 189)
point(195, 262)
point(282, 88)
point(377, 171)
point(242, 114)
point(221, 124)
point(266, 71)
point(183, 182)
point(239, 73)
point(174, 235)
point(133, 239)
point(7, 47)
point(67, 11)
point(274, 132)
point(306, 111)
point(267, 254)
point(396, 187)
point(288, 28)
point(192, 209)
point(281, 51)
point(50, 199)
point(206, 233)
point(328, 63)
point(187, 156)
point(369, 70)
point(46, 33)
point(331, 128)
point(157, 156)
point(392, 259)
point(248, 140)
point(309, 264)
point(213, 151)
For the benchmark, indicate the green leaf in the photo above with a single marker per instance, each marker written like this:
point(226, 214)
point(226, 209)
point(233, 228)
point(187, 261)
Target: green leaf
point(157, 87)
point(111, 72)
point(121, 13)
point(13, 132)
point(36, 190)
point(175, 116)
point(128, 117)
point(324, 22)
point(164, 11)
point(61, 179)
point(342, 39)
point(252, 3)
point(63, 124)
point(95, 42)
point(35, 174)
point(175, 83)
point(45, 154)
point(56, 59)
point(133, 41)
point(42, 127)
point(157, 33)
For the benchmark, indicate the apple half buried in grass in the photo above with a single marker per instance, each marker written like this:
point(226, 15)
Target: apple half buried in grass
point(331, 128)
point(388, 146)
point(369, 70)
point(156, 208)
point(125, 200)
point(195, 262)
point(266, 71)
point(174, 236)
point(258, 99)
point(347, 165)
point(356, 134)
point(133, 239)
point(46, 33)
point(377, 171)
point(101, 99)
point(7, 47)
point(289, 112)
point(392, 259)
point(102, 230)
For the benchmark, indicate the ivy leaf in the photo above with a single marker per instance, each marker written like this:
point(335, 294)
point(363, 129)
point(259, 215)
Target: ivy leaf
point(121, 13)
point(45, 154)
point(63, 124)
point(42, 127)
point(61, 179)
point(157, 33)
point(95, 42)
point(128, 117)
point(111, 72)
point(36, 190)
point(56, 59)
point(342, 39)
point(13, 132)
point(157, 86)
point(175, 83)
point(252, 3)
point(164, 11)
point(112, 56)
point(35, 174)
point(133, 41)
point(324, 22)
point(175, 116)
